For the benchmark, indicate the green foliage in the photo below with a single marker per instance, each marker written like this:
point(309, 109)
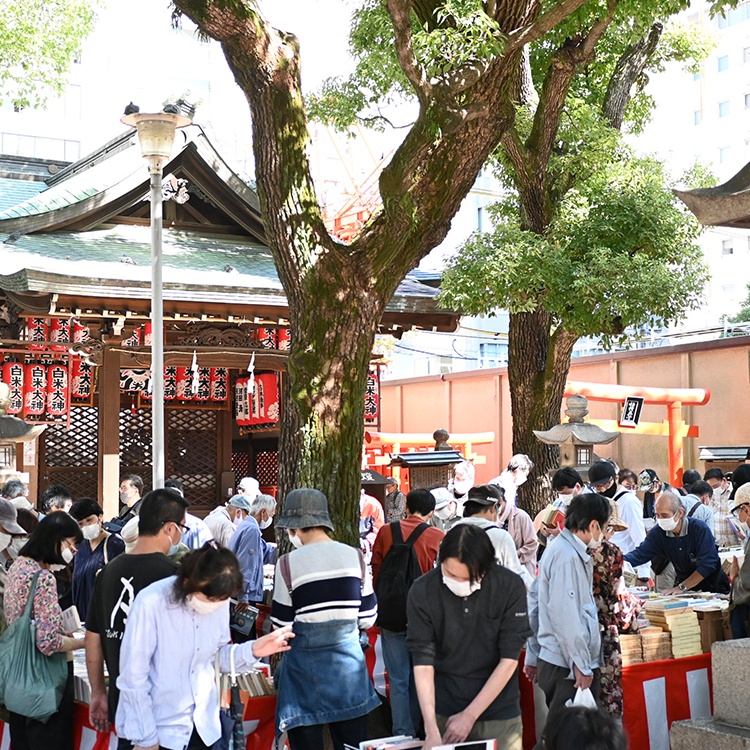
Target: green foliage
point(620, 252)
point(38, 41)
point(699, 175)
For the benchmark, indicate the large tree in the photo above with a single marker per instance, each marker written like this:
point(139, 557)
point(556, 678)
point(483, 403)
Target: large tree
point(464, 62)
point(39, 40)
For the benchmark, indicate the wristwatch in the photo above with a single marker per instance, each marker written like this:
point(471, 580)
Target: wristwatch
point(682, 587)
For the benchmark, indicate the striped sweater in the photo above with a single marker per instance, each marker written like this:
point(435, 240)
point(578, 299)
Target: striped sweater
point(326, 582)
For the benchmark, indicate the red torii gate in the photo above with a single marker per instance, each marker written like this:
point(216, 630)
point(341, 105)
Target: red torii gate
point(673, 427)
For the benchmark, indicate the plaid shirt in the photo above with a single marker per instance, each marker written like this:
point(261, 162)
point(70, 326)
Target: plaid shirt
point(725, 532)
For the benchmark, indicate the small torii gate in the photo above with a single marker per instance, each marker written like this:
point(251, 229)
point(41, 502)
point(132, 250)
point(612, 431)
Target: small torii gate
point(673, 427)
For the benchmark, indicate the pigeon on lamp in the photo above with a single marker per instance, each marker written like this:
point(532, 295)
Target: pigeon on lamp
point(132, 109)
point(171, 109)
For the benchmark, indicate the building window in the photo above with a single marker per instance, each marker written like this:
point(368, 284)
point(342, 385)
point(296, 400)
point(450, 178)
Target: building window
point(696, 76)
point(727, 289)
point(727, 247)
point(493, 355)
point(746, 54)
point(724, 154)
point(723, 63)
point(723, 109)
point(697, 117)
point(747, 101)
point(480, 219)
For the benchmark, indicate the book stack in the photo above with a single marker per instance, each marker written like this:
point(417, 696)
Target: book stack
point(400, 742)
point(680, 621)
point(655, 644)
point(632, 649)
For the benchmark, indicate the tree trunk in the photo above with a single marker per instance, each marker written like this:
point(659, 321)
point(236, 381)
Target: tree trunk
point(538, 364)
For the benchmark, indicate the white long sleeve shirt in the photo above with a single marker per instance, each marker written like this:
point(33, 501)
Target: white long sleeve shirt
point(630, 510)
point(167, 677)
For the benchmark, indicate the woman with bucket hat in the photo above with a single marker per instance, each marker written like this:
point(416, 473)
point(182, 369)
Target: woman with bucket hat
point(324, 589)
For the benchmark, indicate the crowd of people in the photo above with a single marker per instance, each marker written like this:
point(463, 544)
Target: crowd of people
point(459, 580)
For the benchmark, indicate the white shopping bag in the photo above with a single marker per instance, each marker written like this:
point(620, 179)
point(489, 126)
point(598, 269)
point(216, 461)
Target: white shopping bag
point(582, 698)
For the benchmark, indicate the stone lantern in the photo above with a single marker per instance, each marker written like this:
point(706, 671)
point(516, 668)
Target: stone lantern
point(576, 437)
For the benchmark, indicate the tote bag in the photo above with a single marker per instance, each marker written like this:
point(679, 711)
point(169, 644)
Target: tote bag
point(31, 684)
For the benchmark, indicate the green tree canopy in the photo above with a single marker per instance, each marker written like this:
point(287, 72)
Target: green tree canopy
point(38, 41)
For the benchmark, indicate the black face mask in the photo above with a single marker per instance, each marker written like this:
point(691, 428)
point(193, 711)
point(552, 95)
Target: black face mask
point(610, 493)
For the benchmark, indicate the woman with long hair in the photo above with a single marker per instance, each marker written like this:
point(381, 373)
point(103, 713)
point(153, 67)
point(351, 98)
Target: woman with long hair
point(51, 547)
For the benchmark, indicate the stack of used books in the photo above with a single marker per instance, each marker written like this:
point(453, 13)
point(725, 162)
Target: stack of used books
point(632, 650)
point(655, 644)
point(680, 621)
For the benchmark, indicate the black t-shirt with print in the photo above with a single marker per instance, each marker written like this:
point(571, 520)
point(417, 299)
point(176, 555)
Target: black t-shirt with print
point(115, 589)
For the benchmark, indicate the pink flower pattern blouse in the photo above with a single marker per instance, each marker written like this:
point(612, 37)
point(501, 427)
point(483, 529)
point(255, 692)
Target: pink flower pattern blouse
point(45, 610)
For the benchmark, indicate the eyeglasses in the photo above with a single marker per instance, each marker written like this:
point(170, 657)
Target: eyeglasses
point(181, 526)
point(736, 511)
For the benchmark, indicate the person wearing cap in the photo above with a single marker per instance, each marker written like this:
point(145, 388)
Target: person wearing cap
point(324, 588)
point(652, 487)
point(685, 542)
point(725, 532)
point(224, 520)
point(420, 504)
point(158, 530)
point(446, 509)
point(616, 608)
point(249, 487)
point(739, 606)
point(9, 527)
point(395, 501)
point(480, 509)
point(253, 551)
point(603, 480)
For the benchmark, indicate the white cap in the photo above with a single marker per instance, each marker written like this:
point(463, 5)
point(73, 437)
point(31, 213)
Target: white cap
point(250, 487)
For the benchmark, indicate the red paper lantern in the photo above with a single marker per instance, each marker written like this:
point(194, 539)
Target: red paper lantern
point(219, 385)
point(13, 376)
point(59, 330)
point(284, 339)
point(241, 403)
point(265, 399)
point(204, 384)
point(82, 379)
point(134, 339)
point(184, 376)
point(147, 337)
point(80, 332)
point(35, 389)
point(170, 383)
point(266, 338)
point(57, 390)
point(36, 330)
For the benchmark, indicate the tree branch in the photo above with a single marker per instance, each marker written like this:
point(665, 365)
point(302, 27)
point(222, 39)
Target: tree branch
point(563, 66)
point(543, 24)
point(628, 70)
point(400, 13)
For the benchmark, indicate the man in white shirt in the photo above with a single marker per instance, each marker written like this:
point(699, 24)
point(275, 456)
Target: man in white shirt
point(514, 476)
point(223, 520)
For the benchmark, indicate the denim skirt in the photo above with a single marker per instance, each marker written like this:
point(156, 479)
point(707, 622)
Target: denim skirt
point(323, 678)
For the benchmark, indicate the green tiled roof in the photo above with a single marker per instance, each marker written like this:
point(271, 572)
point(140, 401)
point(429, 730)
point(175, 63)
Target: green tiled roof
point(124, 252)
point(13, 192)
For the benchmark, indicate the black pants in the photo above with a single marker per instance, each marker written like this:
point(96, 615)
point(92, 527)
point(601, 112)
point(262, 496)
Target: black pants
point(195, 743)
point(350, 732)
point(54, 734)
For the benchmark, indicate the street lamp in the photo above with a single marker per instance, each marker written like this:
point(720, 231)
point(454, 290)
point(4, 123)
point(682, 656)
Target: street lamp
point(156, 135)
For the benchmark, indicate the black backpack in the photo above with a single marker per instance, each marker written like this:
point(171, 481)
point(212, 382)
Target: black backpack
point(400, 568)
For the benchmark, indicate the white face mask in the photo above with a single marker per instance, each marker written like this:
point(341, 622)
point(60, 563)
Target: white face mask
point(5, 540)
point(238, 519)
point(594, 543)
point(445, 513)
point(265, 524)
point(565, 499)
point(461, 588)
point(67, 555)
point(295, 540)
point(667, 524)
point(203, 606)
point(91, 531)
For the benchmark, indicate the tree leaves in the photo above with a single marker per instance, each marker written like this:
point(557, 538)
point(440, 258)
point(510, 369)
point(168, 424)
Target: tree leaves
point(39, 40)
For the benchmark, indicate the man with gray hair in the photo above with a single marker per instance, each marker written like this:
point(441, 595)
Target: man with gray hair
point(514, 476)
point(252, 550)
point(685, 542)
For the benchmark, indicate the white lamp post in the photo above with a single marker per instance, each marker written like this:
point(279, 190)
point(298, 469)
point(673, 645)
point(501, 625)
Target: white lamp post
point(156, 135)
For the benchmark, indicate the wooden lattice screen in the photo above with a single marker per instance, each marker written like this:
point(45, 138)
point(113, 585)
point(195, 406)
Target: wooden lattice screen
point(267, 468)
point(191, 450)
point(240, 466)
point(70, 456)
